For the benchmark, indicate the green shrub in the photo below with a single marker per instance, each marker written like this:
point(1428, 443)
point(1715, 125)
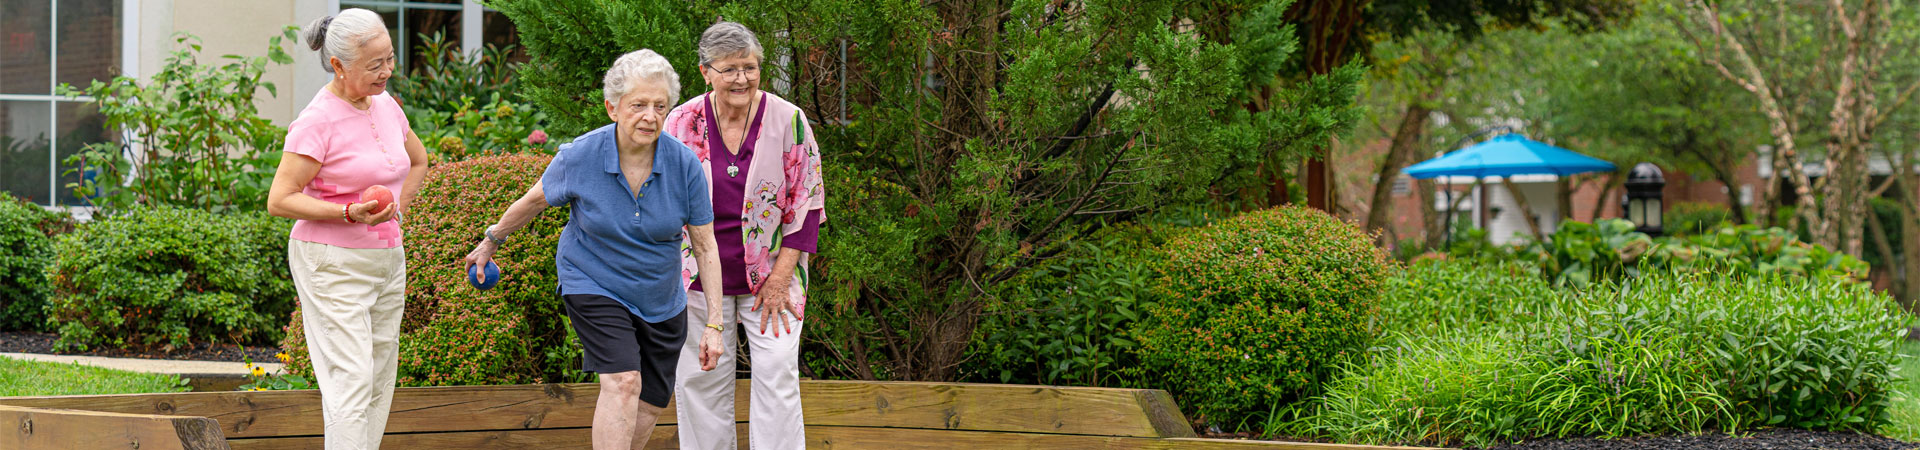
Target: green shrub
point(201, 139)
point(162, 277)
point(1691, 218)
point(453, 334)
point(1482, 389)
point(1062, 322)
point(499, 127)
point(441, 78)
point(454, 102)
point(1748, 250)
point(1667, 353)
point(572, 42)
point(26, 247)
point(1258, 310)
point(1436, 297)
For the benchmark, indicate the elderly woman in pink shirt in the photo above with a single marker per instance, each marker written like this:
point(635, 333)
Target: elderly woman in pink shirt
point(763, 168)
point(345, 252)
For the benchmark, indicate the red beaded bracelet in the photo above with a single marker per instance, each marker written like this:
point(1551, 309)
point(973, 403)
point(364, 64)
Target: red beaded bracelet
point(343, 213)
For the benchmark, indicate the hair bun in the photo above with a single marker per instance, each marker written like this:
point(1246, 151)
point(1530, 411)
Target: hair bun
point(316, 35)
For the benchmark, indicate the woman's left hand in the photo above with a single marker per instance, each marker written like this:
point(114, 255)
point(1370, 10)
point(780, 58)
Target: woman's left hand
point(773, 301)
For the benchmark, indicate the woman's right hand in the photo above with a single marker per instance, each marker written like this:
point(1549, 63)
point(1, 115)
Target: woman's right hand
point(481, 253)
point(363, 213)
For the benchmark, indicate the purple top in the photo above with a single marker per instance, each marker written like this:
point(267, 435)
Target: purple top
point(729, 192)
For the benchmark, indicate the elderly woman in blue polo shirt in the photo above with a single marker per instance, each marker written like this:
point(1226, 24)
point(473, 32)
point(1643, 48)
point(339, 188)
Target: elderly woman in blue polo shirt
point(633, 190)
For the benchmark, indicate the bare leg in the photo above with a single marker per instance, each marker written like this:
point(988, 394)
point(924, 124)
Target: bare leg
point(643, 425)
point(620, 420)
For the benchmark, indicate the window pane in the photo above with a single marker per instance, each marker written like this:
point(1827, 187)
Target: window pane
point(25, 34)
point(89, 41)
point(391, 16)
point(427, 22)
point(80, 124)
point(24, 127)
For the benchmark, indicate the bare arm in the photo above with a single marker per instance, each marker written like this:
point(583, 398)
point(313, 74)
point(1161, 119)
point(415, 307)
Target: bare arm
point(706, 253)
point(517, 216)
point(285, 199)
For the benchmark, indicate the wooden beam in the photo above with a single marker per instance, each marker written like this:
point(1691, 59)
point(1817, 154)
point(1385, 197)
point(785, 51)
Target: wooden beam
point(666, 437)
point(63, 429)
point(956, 406)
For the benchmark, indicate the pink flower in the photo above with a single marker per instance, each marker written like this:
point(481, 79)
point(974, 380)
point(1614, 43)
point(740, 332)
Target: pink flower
point(538, 137)
point(756, 255)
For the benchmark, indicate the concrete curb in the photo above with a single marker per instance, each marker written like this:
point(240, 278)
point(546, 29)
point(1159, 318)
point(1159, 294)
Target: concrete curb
point(177, 367)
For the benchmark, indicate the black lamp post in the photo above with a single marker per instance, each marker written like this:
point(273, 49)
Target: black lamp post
point(1642, 205)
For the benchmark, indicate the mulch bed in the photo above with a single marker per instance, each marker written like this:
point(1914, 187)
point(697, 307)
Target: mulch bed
point(30, 342)
point(1772, 439)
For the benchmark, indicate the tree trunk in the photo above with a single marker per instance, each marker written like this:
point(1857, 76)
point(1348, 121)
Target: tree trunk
point(1526, 210)
point(1406, 138)
point(1612, 180)
point(1429, 216)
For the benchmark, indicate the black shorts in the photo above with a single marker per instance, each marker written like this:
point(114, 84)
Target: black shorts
point(617, 341)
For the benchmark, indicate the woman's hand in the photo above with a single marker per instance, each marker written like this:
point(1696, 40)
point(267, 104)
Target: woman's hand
point(481, 254)
point(363, 212)
point(710, 348)
point(772, 301)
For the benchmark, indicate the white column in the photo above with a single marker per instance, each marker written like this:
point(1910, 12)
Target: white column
point(471, 20)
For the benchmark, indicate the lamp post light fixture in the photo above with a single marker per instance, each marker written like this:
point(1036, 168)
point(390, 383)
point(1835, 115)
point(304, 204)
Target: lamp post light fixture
point(1642, 205)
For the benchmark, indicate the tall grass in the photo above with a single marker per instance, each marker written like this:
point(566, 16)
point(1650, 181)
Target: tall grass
point(1475, 357)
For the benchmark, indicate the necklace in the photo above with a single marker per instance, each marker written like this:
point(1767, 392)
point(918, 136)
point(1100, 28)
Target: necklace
point(733, 153)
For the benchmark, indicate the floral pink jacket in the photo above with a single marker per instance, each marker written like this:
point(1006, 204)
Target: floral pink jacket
point(776, 201)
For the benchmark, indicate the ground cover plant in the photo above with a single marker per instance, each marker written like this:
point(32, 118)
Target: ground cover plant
point(20, 378)
point(1665, 352)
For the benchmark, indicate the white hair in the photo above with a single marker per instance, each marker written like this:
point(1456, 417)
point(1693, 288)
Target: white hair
point(728, 39)
point(638, 66)
point(340, 35)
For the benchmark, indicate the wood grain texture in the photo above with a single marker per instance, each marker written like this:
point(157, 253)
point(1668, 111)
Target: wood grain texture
point(818, 437)
point(949, 406)
point(49, 429)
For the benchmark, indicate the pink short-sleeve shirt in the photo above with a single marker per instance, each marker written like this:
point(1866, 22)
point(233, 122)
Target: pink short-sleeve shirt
point(356, 150)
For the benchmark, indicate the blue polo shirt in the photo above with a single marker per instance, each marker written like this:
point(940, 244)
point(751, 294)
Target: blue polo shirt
point(622, 244)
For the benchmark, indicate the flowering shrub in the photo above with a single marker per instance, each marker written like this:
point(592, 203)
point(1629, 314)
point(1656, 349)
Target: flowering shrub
point(1258, 311)
point(472, 129)
point(453, 334)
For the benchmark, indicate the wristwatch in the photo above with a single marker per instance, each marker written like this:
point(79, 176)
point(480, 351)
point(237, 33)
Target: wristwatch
point(490, 236)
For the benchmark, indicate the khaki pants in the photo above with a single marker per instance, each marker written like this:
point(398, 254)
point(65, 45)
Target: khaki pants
point(351, 301)
point(704, 399)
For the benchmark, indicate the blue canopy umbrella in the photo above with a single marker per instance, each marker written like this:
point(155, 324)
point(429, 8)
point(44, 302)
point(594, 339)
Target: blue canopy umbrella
point(1508, 154)
point(1503, 156)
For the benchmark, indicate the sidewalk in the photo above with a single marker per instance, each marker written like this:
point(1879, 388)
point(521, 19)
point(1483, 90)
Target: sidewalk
point(202, 376)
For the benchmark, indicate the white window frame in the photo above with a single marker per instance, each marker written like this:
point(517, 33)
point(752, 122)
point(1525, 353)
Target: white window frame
point(472, 22)
point(129, 64)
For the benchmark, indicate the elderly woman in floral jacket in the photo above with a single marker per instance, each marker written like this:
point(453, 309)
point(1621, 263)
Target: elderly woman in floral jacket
point(763, 168)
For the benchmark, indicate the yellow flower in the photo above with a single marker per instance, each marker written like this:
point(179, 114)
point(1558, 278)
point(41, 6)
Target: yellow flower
point(257, 370)
point(282, 356)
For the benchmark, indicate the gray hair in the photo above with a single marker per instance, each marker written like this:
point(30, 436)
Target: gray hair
point(728, 39)
point(638, 66)
point(341, 35)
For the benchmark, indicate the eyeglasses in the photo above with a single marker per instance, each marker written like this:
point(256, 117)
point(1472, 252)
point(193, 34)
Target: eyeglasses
point(747, 71)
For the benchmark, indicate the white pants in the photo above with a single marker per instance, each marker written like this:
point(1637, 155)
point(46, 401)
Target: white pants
point(351, 301)
point(704, 399)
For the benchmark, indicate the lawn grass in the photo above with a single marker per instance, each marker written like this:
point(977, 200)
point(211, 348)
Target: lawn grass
point(29, 378)
point(1904, 414)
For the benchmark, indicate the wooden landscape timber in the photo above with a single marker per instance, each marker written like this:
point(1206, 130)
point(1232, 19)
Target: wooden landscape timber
point(839, 414)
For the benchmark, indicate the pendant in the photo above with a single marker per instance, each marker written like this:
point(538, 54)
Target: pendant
point(732, 170)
